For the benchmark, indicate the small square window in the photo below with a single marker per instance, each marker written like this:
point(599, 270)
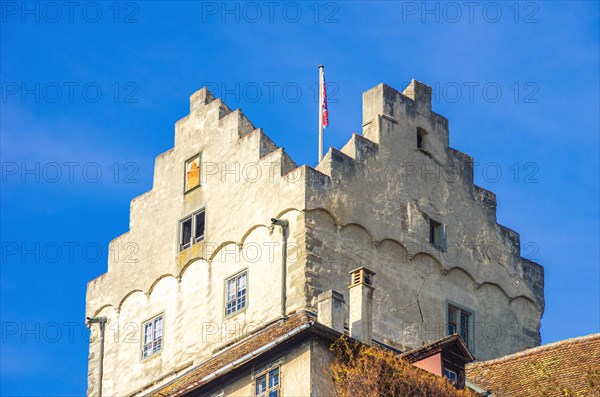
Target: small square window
point(267, 384)
point(191, 229)
point(450, 375)
point(235, 293)
point(192, 173)
point(153, 332)
point(437, 235)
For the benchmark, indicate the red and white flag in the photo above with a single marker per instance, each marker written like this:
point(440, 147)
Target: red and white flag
point(325, 116)
point(323, 112)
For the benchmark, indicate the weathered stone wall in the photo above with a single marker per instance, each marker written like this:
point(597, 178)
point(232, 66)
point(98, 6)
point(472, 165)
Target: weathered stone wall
point(408, 287)
point(235, 199)
point(368, 204)
point(373, 209)
point(194, 321)
point(246, 180)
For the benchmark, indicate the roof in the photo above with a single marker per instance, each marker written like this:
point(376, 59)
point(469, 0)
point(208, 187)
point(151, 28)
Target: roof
point(546, 370)
point(270, 338)
point(438, 345)
point(237, 355)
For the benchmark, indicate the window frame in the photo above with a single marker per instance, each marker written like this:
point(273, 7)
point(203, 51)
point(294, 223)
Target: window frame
point(185, 165)
point(466, 328)
point(460, 311)
point(455, 380)
point(152, 320)
point(235, 276)
point(437, 230)
point(266, 374)
point(193, 238)
point(452, 322)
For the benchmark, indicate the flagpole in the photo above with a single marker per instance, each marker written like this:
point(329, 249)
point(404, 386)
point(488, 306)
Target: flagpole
point(320, 113)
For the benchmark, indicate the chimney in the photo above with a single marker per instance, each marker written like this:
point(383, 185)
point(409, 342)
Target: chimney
point(331, 310)
point(361, 305)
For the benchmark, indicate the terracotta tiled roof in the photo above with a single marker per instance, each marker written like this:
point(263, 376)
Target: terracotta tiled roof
point(543, 371)
point(239, 353)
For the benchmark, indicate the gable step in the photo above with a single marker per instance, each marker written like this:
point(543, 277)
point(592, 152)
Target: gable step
point(360, 148)
point(336, 164)
point(279, 156)
point(237, 121)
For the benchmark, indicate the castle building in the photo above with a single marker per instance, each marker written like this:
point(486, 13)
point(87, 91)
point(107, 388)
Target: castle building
point(240, 267)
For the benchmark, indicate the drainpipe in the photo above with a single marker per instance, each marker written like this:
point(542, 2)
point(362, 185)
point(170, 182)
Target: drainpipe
point(284, 232)
point(101, 321)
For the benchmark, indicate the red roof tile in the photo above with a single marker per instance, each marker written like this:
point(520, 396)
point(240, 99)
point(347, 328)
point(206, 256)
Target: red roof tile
point(570, 365)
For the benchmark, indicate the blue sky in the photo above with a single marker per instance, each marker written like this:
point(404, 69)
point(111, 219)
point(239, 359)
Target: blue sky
point(90, 95)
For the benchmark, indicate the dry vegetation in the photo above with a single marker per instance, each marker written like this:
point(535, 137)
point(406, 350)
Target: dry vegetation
point(367, 371)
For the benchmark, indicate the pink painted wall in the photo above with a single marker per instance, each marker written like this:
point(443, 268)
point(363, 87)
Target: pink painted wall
point(431, 364)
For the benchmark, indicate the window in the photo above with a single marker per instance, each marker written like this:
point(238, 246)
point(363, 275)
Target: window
point(267, 384)
point(421, 138)
point(192, 173)
point(152, 336)
point(450, 375)
point(464, 327)
point(437, 234)
point(459, 322)
point(191, 230)
point(235, 293)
